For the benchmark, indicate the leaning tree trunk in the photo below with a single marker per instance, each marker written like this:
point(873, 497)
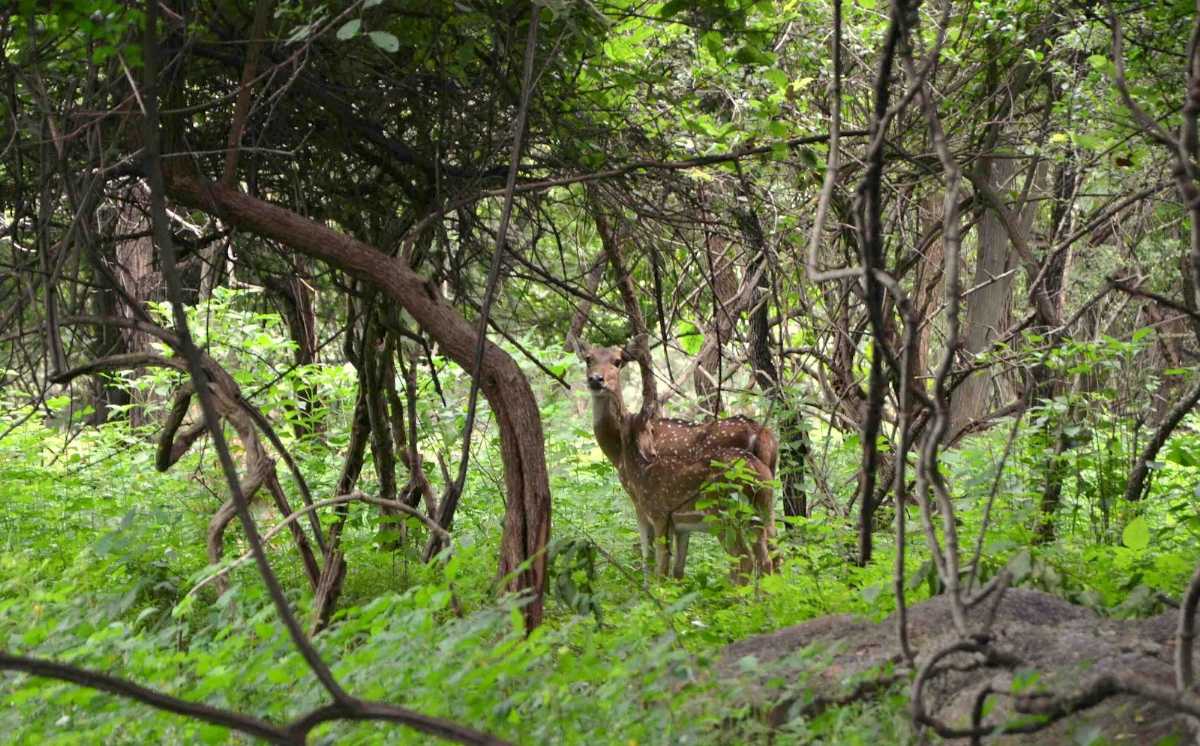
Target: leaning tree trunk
point(527, 510)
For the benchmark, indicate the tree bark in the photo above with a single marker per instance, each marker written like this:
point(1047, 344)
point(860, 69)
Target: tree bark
point(988, 306)
point(928, 284)
point(793, 435)
point(135, 273)
point(299, 312)
point(723, 282)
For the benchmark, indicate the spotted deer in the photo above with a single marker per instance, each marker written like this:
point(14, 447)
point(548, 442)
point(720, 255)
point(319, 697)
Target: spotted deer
point(666, 465)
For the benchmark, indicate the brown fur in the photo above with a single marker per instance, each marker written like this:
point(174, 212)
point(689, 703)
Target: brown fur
point(665, 465)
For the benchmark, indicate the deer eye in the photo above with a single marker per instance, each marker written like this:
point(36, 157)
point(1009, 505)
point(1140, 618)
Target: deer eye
point(588, 359)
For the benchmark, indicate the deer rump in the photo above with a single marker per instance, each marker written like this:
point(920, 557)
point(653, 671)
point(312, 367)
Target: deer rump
point(665, 470)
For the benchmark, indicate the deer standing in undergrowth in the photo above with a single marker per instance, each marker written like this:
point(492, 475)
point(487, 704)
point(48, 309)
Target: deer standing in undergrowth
point(666, 464)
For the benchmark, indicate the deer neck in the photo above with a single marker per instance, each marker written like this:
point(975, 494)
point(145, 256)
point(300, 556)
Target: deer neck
point(608, 418)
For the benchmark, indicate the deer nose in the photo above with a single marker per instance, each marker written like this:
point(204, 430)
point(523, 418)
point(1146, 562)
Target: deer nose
point(595, 381)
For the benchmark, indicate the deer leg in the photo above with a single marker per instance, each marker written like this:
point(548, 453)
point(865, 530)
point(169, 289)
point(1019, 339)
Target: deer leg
point(734, 540)
point(762, 555)
point(683, 524)
point(681, 547)
point(747, 554)
point(764, 501)
point(662, 546)
point(646, 533)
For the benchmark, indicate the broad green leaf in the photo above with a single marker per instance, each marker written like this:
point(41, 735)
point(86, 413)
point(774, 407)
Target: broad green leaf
point(752, 55)
point(385, 41)
point(673, 7)
point(777, 78)
point(690, 337)
point(349, 29)
point(714, 43)
point(1136, 535)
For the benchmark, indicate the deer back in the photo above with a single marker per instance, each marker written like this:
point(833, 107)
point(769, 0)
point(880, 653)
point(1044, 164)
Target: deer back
point(678, 439)
point(687, 455)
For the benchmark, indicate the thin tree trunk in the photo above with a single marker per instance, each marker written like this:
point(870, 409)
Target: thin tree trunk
point(580, 317)
point(794, 444)
point(987, 307)
point(928, 284)
point(1046, 383)
point(723, 283)
point(136, 274)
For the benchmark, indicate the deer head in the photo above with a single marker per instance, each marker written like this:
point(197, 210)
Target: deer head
point(604, 369)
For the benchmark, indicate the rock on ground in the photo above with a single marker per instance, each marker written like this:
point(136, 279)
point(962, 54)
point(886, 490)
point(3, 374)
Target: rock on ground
point(794, 671)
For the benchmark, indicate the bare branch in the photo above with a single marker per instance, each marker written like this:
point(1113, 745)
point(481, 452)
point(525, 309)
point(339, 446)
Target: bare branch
point(130, 690)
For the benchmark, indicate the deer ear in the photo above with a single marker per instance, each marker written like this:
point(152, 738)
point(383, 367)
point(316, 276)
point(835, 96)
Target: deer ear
point(576, 345)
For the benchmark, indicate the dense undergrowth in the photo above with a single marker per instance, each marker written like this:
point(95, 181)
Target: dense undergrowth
point(98, 553)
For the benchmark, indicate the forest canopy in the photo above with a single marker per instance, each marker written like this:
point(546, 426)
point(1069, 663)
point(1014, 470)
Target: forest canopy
point(368, 365)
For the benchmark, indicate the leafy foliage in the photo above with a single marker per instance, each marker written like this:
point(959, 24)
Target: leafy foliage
point(98, 557)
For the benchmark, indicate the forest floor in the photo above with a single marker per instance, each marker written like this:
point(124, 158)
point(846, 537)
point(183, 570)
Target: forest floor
point(1052, 646)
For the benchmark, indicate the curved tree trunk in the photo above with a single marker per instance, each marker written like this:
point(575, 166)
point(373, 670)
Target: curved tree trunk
point(527, 510)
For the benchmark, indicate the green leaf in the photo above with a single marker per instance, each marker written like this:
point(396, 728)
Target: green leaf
point(751, 55)
point(1098, 61)
point(777, 78)
point(714, 43)
point(872, 593)
point(1136, 535)
point(385, 41)
point(349, 29)
point(690, 337)
point(1024, 681)
point(672, 8)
